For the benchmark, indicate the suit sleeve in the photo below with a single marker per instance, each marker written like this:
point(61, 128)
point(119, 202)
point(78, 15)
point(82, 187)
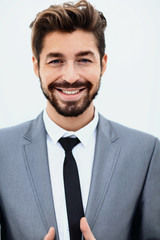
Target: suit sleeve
point(2, 227)
point(0, 223)
point(150, 199)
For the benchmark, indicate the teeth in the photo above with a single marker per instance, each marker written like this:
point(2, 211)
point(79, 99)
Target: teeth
point(71, 92)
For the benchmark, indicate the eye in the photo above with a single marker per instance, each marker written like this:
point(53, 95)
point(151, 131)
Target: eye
point(84, 60)
point(56, 61)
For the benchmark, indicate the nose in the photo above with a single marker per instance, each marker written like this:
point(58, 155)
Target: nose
point(70, 73)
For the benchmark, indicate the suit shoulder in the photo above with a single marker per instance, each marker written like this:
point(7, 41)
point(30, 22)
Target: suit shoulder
point(129, 136)
point(14, 131)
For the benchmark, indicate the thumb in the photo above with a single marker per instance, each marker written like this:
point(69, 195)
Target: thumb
point(51, 234)
point(86, 231)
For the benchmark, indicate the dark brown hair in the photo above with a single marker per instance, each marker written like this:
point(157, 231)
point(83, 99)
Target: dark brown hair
point(68, 17)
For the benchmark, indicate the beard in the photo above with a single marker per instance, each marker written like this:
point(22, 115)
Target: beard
point(70, 108)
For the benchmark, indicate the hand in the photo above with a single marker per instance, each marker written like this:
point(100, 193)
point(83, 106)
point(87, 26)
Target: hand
point(86, 231)
point(50, 235)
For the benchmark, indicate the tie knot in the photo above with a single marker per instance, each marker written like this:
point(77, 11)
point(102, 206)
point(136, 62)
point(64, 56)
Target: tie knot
point(68, 143)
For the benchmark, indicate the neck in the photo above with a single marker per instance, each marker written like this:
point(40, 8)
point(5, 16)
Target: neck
point(71, 123)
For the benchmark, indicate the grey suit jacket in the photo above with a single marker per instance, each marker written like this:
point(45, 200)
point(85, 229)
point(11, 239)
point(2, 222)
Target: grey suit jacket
point(124, 198)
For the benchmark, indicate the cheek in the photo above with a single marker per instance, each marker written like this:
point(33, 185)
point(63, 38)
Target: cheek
point(47, 77)
point(94, 76)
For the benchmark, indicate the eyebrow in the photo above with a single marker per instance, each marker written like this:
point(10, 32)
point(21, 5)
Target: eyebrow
point(79, 54)
point(54, 54)
point(84, 53)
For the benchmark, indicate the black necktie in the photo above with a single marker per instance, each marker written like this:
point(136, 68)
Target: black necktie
point(72, 188)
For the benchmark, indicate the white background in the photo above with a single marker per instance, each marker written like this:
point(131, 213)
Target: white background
point(130, 89)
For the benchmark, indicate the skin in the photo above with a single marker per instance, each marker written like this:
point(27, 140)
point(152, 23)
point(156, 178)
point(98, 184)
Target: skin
point(86, 231)
point(70, 65)
point(70, 68)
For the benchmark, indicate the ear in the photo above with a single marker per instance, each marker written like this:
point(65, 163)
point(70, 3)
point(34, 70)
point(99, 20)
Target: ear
point(35, 66)
point(104, 63)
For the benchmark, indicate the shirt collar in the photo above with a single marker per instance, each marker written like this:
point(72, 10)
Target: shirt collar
point(84, 134)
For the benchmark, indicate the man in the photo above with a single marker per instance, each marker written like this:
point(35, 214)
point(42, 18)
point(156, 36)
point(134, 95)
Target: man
point(118, 168)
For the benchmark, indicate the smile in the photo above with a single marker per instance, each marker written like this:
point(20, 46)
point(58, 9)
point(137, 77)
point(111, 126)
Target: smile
point(70, 92)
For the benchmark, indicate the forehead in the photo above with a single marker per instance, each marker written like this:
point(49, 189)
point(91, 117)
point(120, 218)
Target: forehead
point(72, 43)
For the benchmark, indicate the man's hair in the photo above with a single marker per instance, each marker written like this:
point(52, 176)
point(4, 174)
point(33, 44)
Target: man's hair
point(68, 17)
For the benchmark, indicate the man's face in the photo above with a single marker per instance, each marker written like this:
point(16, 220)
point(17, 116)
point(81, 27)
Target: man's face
point(70, 71)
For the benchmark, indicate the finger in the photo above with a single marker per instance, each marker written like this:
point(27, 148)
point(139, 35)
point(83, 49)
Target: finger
point(86, 231)
point(51, 234)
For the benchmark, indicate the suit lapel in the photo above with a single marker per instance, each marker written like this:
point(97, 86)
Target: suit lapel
point(106, 155)
point(36, 161)
point(35, 150)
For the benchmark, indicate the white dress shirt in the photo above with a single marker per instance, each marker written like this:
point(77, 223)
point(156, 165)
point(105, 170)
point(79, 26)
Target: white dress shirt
point(83, 154)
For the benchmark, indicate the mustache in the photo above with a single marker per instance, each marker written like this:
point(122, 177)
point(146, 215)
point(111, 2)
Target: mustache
point(65, 84)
